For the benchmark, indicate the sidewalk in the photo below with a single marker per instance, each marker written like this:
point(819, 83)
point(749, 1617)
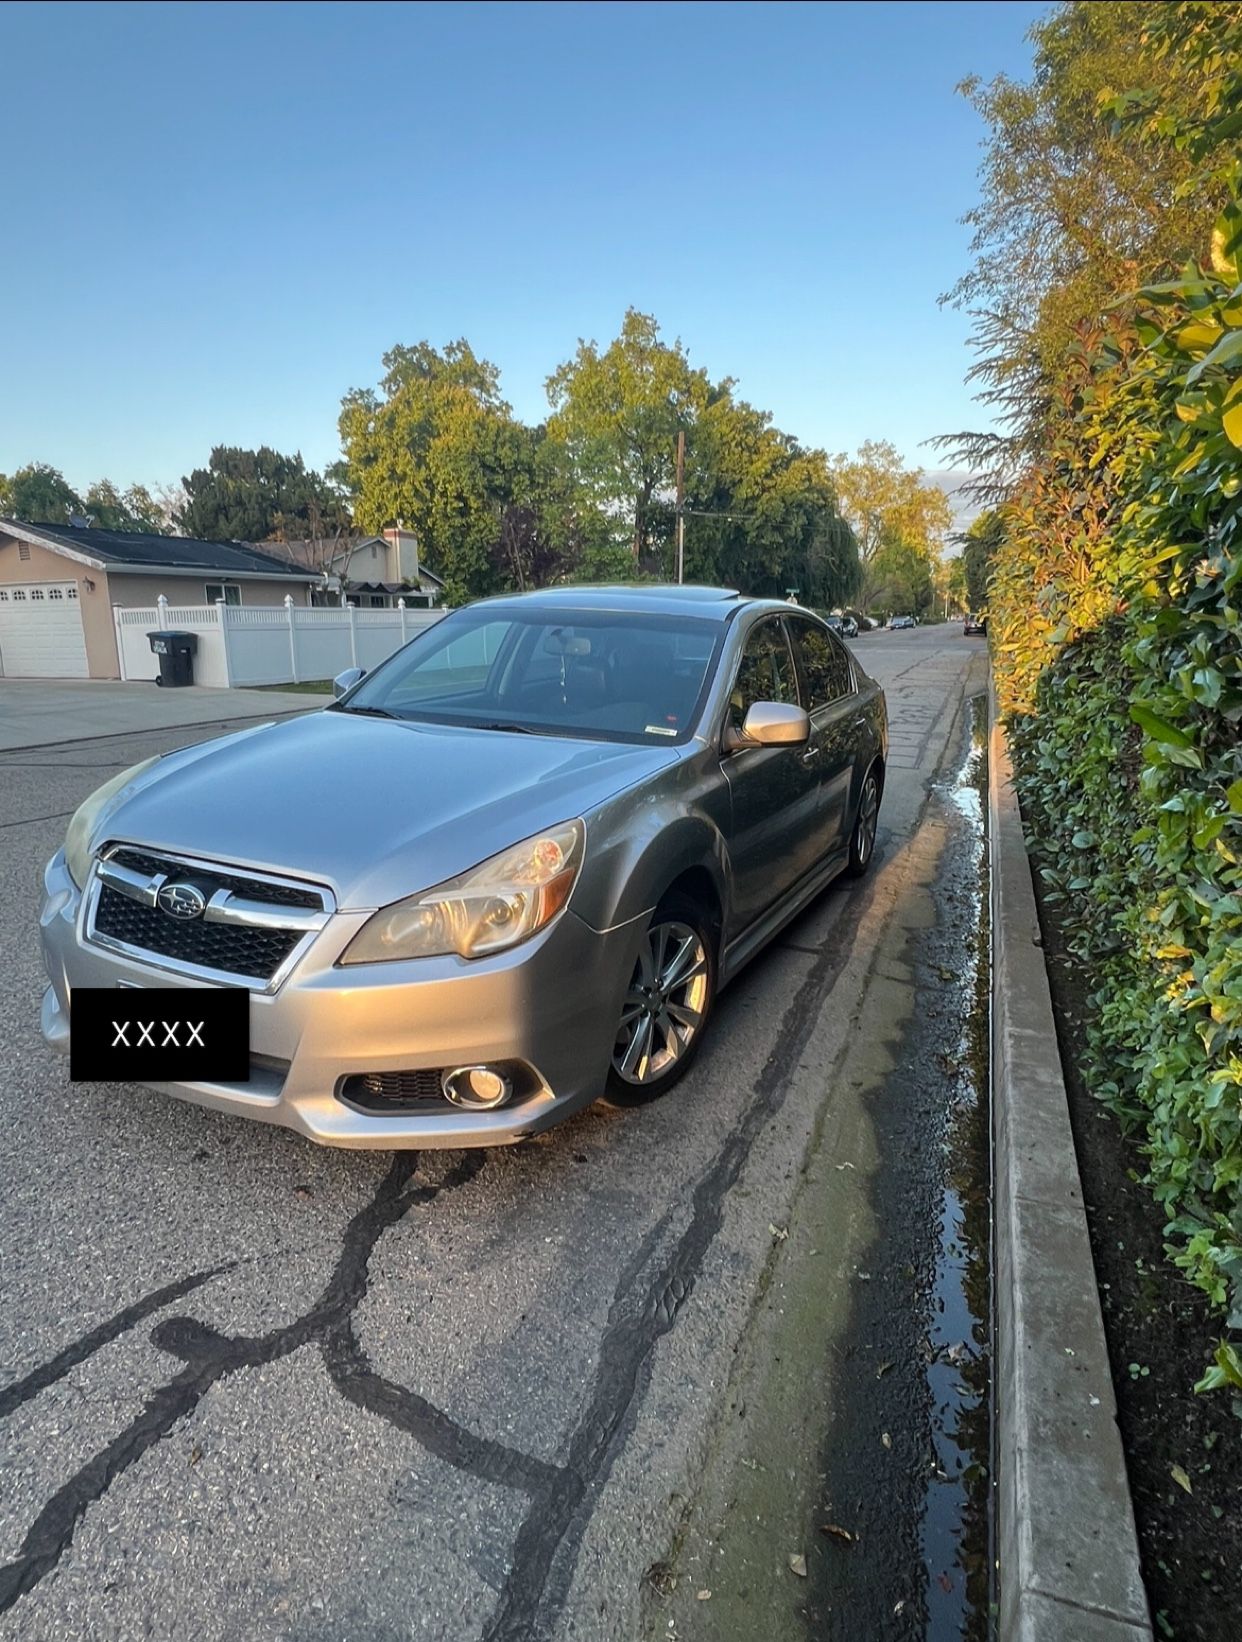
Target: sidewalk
point(43, 712)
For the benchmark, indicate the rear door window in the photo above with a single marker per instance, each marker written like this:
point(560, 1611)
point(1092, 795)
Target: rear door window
point(825, 664)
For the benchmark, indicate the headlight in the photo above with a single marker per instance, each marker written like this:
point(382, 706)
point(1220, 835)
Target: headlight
point(491, 907)
point(88, 815)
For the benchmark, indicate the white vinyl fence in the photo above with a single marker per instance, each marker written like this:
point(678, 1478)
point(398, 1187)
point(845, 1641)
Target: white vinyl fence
point(281, 644)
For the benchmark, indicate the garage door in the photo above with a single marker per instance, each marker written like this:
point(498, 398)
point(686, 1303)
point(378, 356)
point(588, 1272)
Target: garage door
point(41, 631)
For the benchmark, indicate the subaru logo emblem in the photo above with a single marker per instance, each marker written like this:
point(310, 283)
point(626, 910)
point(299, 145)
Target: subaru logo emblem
point(182, 901)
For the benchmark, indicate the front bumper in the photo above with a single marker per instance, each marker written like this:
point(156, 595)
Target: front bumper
point(549, 1005)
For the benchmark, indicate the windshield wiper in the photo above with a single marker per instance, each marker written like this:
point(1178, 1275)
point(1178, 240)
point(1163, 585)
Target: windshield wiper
point(370, 712)
point(515, 729)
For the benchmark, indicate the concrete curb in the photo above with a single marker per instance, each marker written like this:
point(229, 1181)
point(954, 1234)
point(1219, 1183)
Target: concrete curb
point(1066, 1542)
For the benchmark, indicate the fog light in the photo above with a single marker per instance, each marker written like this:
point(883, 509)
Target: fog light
point(480, 1087)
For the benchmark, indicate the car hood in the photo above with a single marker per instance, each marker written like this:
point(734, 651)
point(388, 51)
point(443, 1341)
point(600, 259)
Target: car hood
point(376, 808)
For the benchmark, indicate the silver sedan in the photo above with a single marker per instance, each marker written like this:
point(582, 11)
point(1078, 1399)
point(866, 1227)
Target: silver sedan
point(503, 874)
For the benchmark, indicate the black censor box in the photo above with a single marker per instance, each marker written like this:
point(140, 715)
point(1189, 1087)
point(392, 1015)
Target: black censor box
point(160, 1034)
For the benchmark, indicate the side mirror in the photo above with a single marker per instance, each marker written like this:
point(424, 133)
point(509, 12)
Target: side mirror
point(770, 724)
point(344, 682)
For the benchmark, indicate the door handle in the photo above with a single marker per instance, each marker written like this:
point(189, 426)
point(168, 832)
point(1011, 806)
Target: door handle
point(811, 753)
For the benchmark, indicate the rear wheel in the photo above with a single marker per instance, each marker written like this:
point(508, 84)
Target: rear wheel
point(862, 839)
point(666, 1005)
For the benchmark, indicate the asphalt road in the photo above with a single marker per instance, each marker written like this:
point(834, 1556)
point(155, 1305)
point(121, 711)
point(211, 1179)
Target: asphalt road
point(255, 1389)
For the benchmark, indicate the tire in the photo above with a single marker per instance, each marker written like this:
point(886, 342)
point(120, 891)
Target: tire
point(862, 839)
point(657, 1040)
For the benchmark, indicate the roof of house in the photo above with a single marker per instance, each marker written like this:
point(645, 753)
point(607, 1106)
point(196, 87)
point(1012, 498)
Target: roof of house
point(323, 554)
point(314, 555)
point(136, 551)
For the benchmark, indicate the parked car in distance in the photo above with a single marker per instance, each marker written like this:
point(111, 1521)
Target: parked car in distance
point(506, 872)
point(975, 625)
point(839, 622)
point(897, 622)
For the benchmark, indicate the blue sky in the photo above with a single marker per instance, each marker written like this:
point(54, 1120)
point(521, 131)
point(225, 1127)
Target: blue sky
point(220, 216)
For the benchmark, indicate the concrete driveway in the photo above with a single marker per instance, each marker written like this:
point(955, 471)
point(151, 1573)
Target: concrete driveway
point(255, 1389)
point(38, 712)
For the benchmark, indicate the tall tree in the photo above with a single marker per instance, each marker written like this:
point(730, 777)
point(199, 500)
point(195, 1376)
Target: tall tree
point(884, 500)
point(256, 496)
point(437, 448)
point(763, 511)
point(900, 578)
point(619, 411)
point(132, 509)
point(38, 494)
point(980, 544)
point(1074, 210)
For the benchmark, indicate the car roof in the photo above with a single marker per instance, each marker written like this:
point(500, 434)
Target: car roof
point(650, 598)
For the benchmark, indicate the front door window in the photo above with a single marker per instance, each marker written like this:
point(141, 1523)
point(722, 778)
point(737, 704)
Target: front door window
point(765, 672)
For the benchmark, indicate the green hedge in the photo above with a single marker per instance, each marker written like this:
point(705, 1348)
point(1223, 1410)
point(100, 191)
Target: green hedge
point(1117, 605)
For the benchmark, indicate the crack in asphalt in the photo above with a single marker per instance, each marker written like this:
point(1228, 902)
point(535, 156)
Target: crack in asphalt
point(556, 1524)
point(30, 820)
point(77, 1351)
point(210, 1356)
point(11, 754)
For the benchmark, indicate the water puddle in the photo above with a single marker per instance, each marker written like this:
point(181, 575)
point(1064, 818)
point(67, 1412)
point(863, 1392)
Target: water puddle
point(956, 1535)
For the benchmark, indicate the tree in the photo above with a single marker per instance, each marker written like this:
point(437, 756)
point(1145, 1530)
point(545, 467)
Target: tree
point(38, 494)
point(499, 504)
point(763, 512)
point(883, 500)
point(956, 590)
point(257, 496)
point(980, 544)
point(495, 503)
point(134, 509)
point(1075, 210)
point(619, 411)
point(900, 578)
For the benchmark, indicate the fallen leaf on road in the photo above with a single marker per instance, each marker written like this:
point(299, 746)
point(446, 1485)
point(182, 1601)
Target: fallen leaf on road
point(841, 1166)
point(882, 1370)
point(196, 1454)
point(843, 1534)
point(945, 1583)
point(898, 1606)
point(1179, 1477)
point(797, 1565)
point(886, 1439)
point(702, 1596)
point(778, 1232)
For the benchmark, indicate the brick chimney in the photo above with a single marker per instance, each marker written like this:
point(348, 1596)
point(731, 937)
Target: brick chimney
point(406, 544)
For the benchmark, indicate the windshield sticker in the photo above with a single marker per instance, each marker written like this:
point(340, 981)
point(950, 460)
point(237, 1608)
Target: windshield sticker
point(658, 729)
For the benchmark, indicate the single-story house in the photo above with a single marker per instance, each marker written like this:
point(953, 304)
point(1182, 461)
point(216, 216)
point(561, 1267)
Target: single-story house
point(372, 572)
point(61, 583)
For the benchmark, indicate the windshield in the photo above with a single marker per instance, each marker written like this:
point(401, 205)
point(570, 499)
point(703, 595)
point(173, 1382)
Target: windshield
point(601, 675)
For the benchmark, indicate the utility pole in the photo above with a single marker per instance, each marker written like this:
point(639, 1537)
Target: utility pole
point(681, 506)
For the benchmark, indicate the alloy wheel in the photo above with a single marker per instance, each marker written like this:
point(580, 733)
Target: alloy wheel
point(868, 820)
point(665, 1005)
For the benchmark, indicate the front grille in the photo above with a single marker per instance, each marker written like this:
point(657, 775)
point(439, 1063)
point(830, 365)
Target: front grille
point(233, 948)
point(252, 889)
point(391, 1091)
point(230, 939)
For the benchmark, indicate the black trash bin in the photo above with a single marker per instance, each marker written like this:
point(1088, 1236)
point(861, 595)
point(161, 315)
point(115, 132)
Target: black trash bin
point(176, 653)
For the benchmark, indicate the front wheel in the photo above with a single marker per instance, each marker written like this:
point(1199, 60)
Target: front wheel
point(666, 1006)
point(862, 839)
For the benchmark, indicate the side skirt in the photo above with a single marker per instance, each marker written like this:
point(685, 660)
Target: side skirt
point(752, 941)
